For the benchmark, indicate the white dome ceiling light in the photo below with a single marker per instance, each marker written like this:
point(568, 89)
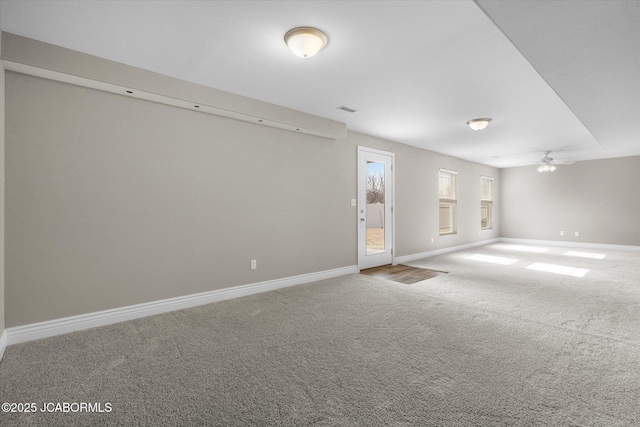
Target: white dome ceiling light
point(305, 41)
point(478, 124)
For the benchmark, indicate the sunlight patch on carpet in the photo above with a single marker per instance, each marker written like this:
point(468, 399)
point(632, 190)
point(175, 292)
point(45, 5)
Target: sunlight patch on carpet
point(492, 259)
point(585, 255)
point(558, 269)
point(522, 248)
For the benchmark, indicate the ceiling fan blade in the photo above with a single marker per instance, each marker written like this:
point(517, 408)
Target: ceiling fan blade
point(562, 162)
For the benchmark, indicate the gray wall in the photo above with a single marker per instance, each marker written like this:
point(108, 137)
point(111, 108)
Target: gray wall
point(600, 199)
point(113, 201)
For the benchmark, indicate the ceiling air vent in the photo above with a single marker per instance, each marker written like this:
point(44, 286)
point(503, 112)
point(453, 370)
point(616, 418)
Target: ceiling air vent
point(347, 109)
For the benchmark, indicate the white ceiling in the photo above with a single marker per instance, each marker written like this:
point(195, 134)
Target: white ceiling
point(554, 75)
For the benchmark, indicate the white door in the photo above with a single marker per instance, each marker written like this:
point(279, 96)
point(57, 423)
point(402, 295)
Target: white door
point(375, 207)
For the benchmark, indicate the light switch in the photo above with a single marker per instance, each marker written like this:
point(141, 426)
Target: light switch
point(353, 202)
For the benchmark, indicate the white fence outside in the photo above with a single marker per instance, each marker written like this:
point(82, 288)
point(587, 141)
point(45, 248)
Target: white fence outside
point(375, 215)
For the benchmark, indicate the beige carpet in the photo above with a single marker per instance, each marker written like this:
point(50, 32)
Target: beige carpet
point(498, 346)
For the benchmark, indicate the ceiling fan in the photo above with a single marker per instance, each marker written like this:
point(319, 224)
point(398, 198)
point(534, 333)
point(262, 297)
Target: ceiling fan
point(547, 164)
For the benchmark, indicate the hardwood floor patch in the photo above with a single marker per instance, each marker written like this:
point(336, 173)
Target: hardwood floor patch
point(401, 273)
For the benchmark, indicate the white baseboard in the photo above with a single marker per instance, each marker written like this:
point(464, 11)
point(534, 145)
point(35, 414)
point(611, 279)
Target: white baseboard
point(413, 257)
point(603, 246)
point(3, 343)
point(65, 325)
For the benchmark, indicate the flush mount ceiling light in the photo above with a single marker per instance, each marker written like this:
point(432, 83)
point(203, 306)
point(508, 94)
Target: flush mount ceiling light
point(305, 41)
point(478, 124)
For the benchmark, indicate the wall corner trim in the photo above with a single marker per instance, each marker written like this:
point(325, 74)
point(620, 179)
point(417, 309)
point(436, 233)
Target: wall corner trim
point(3, 344)
point(32, 57)
point(34, 331)
point(197, 106)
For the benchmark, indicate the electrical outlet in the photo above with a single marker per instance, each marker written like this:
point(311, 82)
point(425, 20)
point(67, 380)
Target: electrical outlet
point(562, 233)
point(254, 264)
point(432, 240)
point(577, 234)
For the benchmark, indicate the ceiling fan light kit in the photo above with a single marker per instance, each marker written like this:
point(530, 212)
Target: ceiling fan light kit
point(305, 41)
point(479, 124)
point(546, 165)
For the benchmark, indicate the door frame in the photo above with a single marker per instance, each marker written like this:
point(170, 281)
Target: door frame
point(362, 233)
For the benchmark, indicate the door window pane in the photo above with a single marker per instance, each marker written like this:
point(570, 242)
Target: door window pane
point(375, 208)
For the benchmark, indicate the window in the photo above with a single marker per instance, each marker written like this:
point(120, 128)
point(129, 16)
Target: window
point(448, 201)
point(486, 203)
